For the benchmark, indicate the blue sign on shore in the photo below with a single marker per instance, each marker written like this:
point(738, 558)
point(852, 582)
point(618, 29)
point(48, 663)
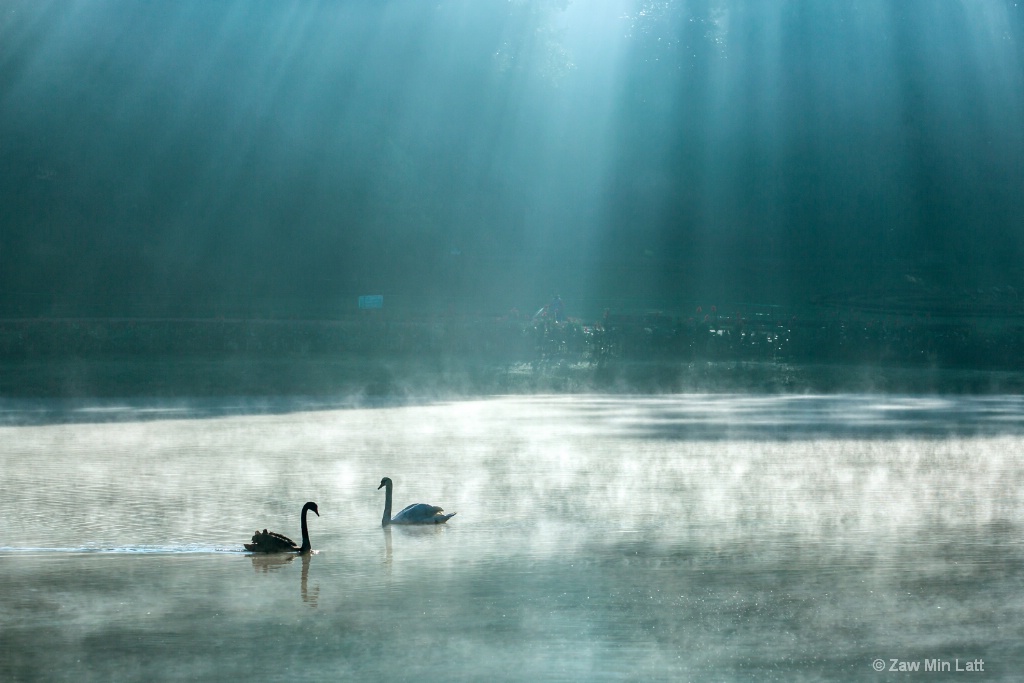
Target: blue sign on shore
point(371, 301)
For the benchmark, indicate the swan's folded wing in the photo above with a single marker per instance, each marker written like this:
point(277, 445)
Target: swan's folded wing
point(269, 541)
point(417, 512)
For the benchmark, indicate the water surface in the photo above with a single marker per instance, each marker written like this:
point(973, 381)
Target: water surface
point(689, 537)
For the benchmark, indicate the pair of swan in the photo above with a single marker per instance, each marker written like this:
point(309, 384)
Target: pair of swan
point(417, 513)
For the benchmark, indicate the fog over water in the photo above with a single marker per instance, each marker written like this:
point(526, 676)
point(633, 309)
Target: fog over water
point(597, 538)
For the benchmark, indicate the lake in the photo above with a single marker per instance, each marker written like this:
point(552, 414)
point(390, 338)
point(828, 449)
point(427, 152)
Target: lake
point(597, 537)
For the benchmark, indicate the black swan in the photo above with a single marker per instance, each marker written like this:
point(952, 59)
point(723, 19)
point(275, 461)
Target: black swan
point(417, 513)
point(269, 542)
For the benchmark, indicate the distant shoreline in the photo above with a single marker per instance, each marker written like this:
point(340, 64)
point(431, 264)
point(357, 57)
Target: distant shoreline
point(183, 378)
point(391, 356)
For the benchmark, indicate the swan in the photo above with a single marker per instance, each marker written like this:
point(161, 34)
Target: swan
point(269, 542)
point(417, 513)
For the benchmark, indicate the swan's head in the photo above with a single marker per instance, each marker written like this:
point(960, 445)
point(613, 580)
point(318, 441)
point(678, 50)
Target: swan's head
point(386, 481)
point(311, 506)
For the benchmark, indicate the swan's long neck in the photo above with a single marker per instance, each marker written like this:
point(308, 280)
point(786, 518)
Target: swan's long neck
point(387, 505)
point(306, 545)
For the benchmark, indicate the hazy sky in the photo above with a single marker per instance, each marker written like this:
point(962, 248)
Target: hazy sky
point(247, 155)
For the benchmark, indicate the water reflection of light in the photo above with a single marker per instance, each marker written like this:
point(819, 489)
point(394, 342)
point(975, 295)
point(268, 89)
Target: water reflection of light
point(669, 466)
point(626, 529)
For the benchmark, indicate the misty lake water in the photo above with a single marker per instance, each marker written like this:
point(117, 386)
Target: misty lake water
point(684, 537)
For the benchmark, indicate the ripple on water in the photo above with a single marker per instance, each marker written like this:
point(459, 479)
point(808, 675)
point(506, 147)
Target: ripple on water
point(686, 537)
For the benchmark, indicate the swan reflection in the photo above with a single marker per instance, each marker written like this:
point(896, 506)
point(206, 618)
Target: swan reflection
point(308, 597)
point(271, 563)
point(268, 563)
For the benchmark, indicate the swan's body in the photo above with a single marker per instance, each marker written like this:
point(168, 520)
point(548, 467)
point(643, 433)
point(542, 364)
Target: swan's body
point(270, 542)
point(417, 513)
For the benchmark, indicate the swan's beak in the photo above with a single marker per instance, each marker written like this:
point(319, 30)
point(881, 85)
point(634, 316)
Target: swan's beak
point(317, 513)
point(381, 486)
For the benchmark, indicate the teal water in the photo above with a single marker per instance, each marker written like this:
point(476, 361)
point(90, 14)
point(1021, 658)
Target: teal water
point(704, 538)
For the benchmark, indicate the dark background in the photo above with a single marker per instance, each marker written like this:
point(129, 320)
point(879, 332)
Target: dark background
point(279, 158)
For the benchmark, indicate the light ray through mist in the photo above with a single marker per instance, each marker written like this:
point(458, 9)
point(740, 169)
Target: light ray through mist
point(255, 156)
